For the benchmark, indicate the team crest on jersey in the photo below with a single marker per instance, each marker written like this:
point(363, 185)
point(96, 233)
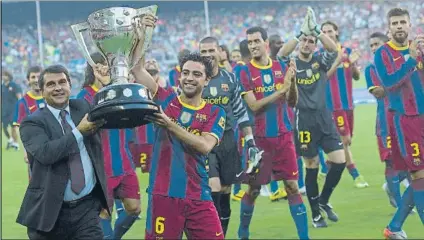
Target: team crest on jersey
point(221, 122)
point(267, 79)
point(225, 100)
point(346, 65)
point(201, 117)
point(417, 161)
point(41, 105)
point(213, 91)
point(420, 65)
point(225, 87)
point(315, 65)
point(309, 73)
point(278, 74)
point(185, 117)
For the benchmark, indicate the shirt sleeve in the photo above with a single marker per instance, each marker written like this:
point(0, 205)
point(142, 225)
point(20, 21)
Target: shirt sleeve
point(391, 76)
point(244, 78)
point(239, 109)
point(370, 74)
point(20, 112)
point(327, 59)
point(216, 123)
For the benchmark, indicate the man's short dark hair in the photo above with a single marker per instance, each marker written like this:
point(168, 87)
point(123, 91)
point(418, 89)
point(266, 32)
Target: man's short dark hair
point(33, 69)
point(195, 57)
point(383, 37)
point(89, 72)
point(244, 49)
point(396, 12)
point(53, 69)
point(260, 30)
point(274, 38)
point(8, 74)
point(209, 39)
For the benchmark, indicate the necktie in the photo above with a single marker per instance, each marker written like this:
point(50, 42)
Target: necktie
point(74, 162)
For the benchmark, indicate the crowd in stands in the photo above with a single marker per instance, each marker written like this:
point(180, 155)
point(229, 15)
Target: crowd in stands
point(183, 29)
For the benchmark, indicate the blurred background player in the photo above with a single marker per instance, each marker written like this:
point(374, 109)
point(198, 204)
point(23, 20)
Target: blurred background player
point(187, 129)
point(122, 181)
point(29, 103)
point(315, 128)
point(10, 94)
point(275, 44)
point(224, 58)
point(399, 63)
point(340, 95)
point(224, 161)
point(235, 56)
point(393, 177)
point(270, 91)
point(175, 73)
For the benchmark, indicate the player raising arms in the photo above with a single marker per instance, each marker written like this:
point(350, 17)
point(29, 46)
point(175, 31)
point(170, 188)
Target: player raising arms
point(314, 124)
point(122, 181)
point(269, 93)
point(399, 64)
point(339, 95)
point(224, 160)
point(29, 103)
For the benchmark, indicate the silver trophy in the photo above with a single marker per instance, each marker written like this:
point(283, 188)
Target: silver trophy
point(121, 104)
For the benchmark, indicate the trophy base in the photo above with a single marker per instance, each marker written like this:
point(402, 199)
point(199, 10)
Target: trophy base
point(119, 111)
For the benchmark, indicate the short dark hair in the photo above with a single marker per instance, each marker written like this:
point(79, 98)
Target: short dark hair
point(195, 57)
point(383, 37)
point(244, 49)
point(89, 72)
point(260, 30)
point(274, 38)
point(395, 12)
point(209, 39)
point(182, 53)
point(235, 50)
point(53, 69)
point(8, 74)
point(33, 69)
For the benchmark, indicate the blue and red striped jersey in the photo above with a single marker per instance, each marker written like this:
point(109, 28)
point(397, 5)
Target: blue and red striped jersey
point(177, 170)
point(115, 143)
point(145, 134)
point(174, 76)
point(381, 127)
point(263, 81)
point(27, 105)
point(403, 78)
point(339, 85)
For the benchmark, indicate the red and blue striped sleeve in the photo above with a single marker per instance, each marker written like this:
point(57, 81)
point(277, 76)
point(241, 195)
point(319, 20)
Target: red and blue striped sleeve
point(21, 112)
point(163, 96)
point(216, 123)
point(244, 78)
point(392, 77)
point(370, 78)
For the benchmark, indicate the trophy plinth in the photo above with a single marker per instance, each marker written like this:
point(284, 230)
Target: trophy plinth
point(121, 104)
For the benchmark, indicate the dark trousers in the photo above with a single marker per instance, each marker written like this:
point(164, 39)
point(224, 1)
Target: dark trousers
point(76, 220)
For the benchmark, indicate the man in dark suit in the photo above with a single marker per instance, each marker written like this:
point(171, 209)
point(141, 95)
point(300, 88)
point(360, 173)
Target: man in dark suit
point(67, 188)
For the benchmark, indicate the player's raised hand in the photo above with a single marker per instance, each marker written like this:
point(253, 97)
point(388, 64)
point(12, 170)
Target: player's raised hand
point(304, 29)
point(312, 22)
point(354, 56)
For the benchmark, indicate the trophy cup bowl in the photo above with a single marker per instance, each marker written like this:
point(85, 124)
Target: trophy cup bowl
point(121, 104)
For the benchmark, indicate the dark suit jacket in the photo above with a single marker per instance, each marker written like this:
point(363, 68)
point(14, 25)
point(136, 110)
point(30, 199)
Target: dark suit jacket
point(48, 152)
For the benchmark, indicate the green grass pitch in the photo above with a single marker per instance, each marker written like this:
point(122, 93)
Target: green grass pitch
point(363, 212)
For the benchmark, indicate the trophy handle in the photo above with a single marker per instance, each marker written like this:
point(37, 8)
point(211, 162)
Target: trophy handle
point(77, 29)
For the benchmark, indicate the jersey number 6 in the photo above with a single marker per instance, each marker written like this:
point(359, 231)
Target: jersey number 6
point(160, 225)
